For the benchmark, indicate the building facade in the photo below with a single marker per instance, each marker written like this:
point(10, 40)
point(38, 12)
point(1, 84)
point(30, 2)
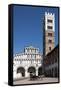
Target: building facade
point(27, 62)
point(49, 33)
point(51, 63)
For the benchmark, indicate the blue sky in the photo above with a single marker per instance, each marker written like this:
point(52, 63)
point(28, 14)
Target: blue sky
point(28, 27)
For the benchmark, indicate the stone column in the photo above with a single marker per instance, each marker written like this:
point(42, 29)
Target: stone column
point(14, 75)
point(36, 71)
point(26, 73)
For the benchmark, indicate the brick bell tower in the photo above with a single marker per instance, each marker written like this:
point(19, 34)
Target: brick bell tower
point(49, 33)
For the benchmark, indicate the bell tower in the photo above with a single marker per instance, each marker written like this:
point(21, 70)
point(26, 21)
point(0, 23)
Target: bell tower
point(49, 33)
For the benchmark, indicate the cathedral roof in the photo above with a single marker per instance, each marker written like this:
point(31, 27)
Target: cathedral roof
point(31, 47)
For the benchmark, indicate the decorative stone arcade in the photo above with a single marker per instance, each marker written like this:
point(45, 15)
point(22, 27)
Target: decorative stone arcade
point(27, 62)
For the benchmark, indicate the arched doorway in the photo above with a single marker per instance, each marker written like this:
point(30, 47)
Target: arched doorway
point(39, 71)
point(32, 70)
point(21, 70)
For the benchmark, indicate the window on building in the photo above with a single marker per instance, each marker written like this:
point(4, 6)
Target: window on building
point(36, 50)
point(50, 48)
point(49, 41)
point(33, 56)
point(49, 34)
point(30, 50)
point(33, 51)
point(28, 56)
point(49, 27)
point(49, 20)
point(27, 50)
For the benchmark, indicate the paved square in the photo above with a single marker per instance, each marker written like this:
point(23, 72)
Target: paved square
point(41, 80)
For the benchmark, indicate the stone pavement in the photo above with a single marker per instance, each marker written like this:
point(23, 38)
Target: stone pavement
point(41, 80)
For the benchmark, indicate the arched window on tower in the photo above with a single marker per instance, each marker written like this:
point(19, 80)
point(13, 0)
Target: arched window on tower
point(49, 34)
point(49, 41)
point(50, 48)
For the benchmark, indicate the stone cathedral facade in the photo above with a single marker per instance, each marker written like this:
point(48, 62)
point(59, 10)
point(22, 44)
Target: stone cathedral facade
point(28, 61)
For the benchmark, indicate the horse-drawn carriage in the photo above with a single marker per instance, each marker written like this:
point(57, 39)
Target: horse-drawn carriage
point(34, 77)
